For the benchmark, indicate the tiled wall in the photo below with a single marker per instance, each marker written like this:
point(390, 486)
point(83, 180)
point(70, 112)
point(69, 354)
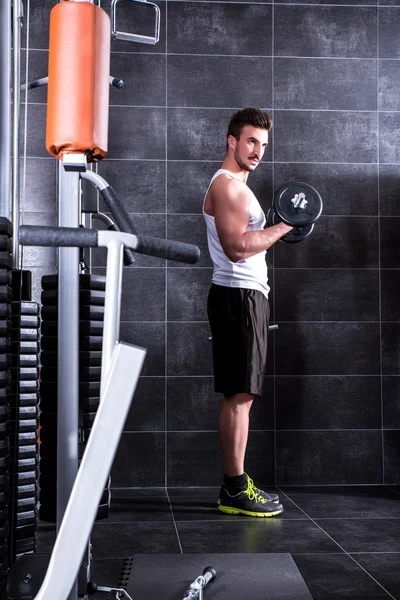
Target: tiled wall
point(329, 73)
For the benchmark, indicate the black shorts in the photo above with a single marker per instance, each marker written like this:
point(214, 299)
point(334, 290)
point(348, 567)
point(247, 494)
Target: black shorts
point(239, 320)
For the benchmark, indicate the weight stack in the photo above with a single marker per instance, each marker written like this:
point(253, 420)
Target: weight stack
point(24, 422)
point(6, 232)
point(91, 319)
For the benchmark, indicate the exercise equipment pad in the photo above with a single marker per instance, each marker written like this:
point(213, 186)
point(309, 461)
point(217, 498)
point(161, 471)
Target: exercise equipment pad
point(239, 576)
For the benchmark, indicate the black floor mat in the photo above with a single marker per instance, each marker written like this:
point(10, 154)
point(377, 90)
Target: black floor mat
point(239, 576)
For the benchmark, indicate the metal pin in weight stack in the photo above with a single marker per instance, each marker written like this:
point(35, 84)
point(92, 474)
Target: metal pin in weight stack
point(92, 297)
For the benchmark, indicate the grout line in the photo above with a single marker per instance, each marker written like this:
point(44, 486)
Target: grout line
point(166, 267)
point(273, 248)
point(379, 251)
point(337, 543)
point(173, 519)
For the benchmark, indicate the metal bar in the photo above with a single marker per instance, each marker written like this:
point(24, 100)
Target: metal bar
point(115, 249)
point(96, 463)
point(68, 347)
point(17, 23)
point(5, 108)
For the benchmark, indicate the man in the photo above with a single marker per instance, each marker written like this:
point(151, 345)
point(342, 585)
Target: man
point(238, 308)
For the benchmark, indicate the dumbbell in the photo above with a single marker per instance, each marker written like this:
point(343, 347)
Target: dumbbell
point(298, 205)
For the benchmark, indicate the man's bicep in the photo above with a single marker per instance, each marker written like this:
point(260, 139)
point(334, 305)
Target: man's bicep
point(231, 220)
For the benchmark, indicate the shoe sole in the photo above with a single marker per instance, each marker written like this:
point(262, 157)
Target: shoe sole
point(238, 511)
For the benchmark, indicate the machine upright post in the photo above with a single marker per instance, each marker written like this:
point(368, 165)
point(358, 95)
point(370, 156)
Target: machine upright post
point(68, 344)
point(5, 108)
point(17, 23)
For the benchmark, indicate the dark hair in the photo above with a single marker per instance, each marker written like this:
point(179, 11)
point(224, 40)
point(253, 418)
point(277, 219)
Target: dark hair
point(248, 116)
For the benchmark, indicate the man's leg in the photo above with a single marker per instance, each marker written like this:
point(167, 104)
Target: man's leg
point(233, 428)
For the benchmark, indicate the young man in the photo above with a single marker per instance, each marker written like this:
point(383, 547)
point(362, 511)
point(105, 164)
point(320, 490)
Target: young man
point(238, 308)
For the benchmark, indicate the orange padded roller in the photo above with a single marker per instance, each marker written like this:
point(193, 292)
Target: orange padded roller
point(78, 88)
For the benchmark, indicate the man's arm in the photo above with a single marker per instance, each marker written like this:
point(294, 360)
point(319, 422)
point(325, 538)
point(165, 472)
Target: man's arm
point(231, 202)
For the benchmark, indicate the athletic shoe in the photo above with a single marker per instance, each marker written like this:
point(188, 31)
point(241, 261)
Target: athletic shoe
point(268, 497)
point(247, 502)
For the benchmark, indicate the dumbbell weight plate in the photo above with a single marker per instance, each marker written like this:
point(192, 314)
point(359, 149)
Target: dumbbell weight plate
point(288, 195)
point(297, 234)
point(86, 312)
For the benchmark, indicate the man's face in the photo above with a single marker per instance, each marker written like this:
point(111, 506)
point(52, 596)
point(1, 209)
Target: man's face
point(249, 149)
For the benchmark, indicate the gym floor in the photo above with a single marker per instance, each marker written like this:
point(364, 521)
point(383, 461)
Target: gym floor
point(344, 540)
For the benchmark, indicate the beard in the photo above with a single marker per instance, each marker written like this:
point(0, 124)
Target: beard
point(242, 164)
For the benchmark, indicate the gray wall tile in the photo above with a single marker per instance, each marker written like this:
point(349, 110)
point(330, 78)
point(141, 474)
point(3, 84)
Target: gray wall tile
point(360, 464)
point(325, 84)
point(38, 185)
point(143, 76)
point(131, 140)
point(330, 402)
point(315, 136)
point(389, 137)
point(390, 402)
point(202, 28)
point(328, 349)
point(389, 22)
point(147, 411)
point(391, 447)
point(326, 295)
point(150, 336)
point(188, 349)
point(325, 31)
point(335, 242)
point(388, 84)
point(389, 193)
point(139, 460)
point(212, 81)
point(187, 291)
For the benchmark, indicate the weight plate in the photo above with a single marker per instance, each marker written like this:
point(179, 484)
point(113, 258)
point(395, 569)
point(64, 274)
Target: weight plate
point(26, 531)
point(5, 260)
point(24, 464)
point(24, 452)
point(6, 227)
point(5, 311)
point(5, 345)
point(85, 328)
point(23, 439)
point(25, 308)
point(91, 388)
point(25, 360)
point(4, 413)
point(25, 478)
point(297, 204)
point(5, 378)
point(89, 359)
point(50, 297)
point(5, 327)
point(25, 387)
point(6, 243)
point(297, 234)
point(25, 373)
point(85, 373)
point(25, 399)
point(86, 342)
point(5, 361)
point(24, 426)
point(26, 334)
point(5, 277)
point(27, 491)
point(86, 312)
point(24, 412)
point(24, 504)
point(25, 321)
point(86, 282)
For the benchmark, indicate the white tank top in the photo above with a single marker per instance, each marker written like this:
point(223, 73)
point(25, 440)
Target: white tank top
point(250, 273)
